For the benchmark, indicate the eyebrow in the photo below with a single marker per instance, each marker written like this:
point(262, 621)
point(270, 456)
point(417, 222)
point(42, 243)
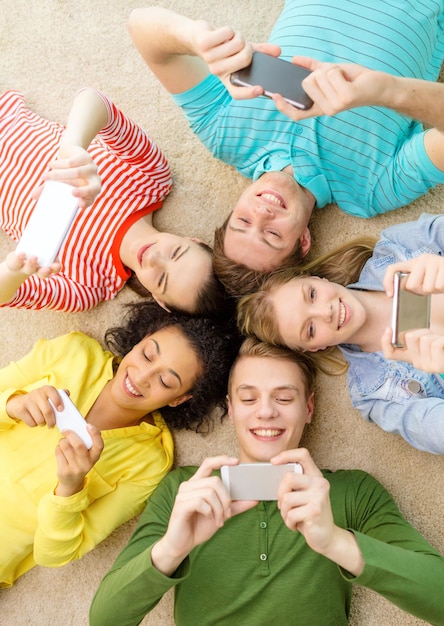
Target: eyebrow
point(243, 230)
point(246, 387)
point(165, 284)
point(173, 372)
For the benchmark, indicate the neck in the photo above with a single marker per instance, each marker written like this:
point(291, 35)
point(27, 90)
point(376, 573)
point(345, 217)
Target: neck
point(134, 238)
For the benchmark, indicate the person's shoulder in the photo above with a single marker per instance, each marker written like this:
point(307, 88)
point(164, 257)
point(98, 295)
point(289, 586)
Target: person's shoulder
point(349, 478)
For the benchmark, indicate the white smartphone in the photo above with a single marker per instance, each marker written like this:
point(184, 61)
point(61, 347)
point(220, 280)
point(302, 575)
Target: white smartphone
point(71, 419)
point(410, 310)
point(49, 222)
point(275, 75)
point(255, 481)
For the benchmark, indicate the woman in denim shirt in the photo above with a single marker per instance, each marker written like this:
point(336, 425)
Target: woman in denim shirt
point(344, 299)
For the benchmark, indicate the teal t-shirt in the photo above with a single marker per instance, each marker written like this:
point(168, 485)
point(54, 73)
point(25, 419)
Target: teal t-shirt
point(368, 160)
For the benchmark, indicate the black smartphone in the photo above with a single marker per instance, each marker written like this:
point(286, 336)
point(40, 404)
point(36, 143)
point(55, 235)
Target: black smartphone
point(410, 310)
point(275, 75)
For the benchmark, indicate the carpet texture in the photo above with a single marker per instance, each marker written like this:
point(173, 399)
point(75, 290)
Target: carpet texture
point(50, 49)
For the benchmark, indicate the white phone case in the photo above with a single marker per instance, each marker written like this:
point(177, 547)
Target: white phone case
point(71, 419)
point(49, 223)
point(255, 481)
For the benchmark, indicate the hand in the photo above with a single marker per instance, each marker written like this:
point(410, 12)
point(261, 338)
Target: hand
point(75, 167)
point(226, 51)
point(304, 501)
point(201, 507)
point(425, 274)
point(20, 263)
point(74, 460)
point(33, 408)
point(336, 87)
point(422, 347)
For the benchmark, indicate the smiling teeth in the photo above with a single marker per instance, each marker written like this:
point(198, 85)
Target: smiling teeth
point(342, 313)
point(131, 389)
point(271, 198)
point(269, 432)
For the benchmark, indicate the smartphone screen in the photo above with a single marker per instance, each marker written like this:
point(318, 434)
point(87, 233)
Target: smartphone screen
point(275, 76)
point(255, 481)
point(410, 310)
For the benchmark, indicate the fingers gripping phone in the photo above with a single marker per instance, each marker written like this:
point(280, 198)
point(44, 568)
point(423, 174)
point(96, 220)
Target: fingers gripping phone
point(275, 76)
point(410, 310)
point(71, 419)
point(255, 481)
point(49, 222)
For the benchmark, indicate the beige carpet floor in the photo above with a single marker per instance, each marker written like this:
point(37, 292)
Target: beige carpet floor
point(49, 49)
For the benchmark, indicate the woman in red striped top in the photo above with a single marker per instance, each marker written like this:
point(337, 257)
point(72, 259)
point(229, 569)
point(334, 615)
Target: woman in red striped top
point(120, 178)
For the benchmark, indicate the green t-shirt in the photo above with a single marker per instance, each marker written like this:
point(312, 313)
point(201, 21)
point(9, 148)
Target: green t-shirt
point(255, 571)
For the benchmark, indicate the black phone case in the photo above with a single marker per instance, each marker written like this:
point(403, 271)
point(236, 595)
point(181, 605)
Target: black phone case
point(275, 76)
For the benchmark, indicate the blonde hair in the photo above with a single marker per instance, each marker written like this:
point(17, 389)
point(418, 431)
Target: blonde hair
point(256, 313)
point(252, 347)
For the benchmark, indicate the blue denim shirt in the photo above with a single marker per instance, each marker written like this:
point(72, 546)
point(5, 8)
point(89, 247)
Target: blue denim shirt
point(395, 395)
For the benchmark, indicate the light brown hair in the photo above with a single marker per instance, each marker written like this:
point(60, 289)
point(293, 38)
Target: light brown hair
point(252, 347)
point(237, 278)
point(343, 265)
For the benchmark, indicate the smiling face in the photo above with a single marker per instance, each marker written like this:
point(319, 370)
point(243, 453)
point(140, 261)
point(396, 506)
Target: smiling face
point(268, 222)
point(160, 370)
point(173, 269)
point(313, 313)
point(268, 406)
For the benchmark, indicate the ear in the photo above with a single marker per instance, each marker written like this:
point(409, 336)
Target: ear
point(162, 304)
point(310, 408)
point(230, 409)
point(196, 240)
point(180, 399)
point(305, 241)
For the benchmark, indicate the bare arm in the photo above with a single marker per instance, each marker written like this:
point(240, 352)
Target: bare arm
point(73, 164)
point(336, 87)
point(181, 52)
point(164, 40)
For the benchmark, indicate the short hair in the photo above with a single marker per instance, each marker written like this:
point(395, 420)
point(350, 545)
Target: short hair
point(252, 347)
point(215, 342)
point(237, 278)
point(211, 298)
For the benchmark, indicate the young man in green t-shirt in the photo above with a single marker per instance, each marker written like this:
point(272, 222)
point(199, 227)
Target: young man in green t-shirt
point(293, 560)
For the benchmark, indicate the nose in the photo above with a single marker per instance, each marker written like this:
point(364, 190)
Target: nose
point(155, 259)
point(324, 312)
point(266, 410)
point(263, 210)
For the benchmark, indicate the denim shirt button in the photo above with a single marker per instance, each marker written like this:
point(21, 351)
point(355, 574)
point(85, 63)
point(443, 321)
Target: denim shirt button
point(414, 386)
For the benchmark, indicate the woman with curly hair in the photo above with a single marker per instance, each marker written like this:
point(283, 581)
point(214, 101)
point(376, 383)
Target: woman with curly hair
point(59, 498)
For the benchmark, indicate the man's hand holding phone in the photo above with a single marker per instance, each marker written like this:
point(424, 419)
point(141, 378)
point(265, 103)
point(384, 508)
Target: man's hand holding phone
point(304, 503)
point(202, 506)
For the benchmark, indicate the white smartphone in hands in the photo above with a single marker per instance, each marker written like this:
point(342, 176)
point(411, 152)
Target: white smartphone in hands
point(255, 481)
point(71, 419)
point(49, 222)
point(410, 310)
point(275, 75)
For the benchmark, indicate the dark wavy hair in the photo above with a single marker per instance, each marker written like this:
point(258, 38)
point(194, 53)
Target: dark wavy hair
point(211, 298)
point(215, 340)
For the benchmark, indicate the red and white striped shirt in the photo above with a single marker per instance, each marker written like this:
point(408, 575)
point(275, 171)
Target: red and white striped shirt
point(135, 179)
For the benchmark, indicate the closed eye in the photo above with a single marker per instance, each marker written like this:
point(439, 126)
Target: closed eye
point(175, 252)
point(161, 280)
point(273, 233)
